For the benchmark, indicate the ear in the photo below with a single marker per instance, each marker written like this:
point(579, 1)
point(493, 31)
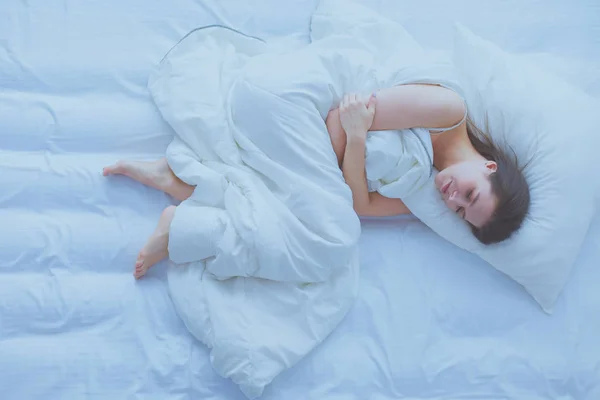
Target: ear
point(491, 166)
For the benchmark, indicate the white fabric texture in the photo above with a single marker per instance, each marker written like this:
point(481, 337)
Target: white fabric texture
point(279, 268)
point(430, 321)
point(552, 127)
point(270, 230)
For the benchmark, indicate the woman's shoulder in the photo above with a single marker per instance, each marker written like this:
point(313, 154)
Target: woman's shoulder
point(456, 108)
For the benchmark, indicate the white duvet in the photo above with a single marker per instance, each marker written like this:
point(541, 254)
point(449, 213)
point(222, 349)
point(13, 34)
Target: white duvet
point(265, 250)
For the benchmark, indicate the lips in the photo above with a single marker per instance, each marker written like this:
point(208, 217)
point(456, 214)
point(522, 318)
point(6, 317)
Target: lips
point(444, 188)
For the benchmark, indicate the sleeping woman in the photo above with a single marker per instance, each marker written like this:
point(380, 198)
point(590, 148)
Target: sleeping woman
point(477, 180)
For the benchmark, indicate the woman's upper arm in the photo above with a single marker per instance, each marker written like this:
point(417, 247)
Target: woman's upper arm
point(381, 206)
point(417, 106)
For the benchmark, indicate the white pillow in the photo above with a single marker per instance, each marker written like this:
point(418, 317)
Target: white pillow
point(543, 117)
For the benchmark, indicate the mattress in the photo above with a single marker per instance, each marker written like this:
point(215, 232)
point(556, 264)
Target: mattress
point(431, 321)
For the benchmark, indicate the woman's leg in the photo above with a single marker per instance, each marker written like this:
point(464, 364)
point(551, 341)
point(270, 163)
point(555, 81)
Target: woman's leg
point(156, 174)
point(156, 248)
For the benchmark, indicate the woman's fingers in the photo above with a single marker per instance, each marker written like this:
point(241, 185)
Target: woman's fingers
point(372, 104)
point(352, 100)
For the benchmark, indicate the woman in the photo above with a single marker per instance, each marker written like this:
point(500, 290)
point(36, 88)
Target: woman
point(478, 181)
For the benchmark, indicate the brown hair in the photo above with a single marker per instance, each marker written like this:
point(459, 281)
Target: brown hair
point(508, 186)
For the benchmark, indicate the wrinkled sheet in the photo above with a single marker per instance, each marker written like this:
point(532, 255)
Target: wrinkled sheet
point(430, 321)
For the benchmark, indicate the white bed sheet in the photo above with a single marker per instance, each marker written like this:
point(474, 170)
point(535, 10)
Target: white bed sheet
point(431, 321)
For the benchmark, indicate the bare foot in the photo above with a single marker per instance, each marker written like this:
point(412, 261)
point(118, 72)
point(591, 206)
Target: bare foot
point(156, 174)
point(156, 248)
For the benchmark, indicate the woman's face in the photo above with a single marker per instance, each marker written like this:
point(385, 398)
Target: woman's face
point(467, 190)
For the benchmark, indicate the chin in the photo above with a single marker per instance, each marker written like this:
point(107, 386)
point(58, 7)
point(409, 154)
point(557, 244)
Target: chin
point(439, 178)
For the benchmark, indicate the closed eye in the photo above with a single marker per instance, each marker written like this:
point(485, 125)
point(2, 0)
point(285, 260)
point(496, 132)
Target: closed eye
point(470, 195)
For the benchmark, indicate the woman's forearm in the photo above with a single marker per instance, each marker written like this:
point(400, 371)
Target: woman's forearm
point(353, 168)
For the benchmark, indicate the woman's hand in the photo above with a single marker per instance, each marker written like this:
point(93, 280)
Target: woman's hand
point(356, 115)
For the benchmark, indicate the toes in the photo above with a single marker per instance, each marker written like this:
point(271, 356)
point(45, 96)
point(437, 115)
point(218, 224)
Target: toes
point(139, 267)
point(115, 169)
point(139, 271)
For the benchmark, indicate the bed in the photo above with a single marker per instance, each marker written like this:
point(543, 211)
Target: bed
point(431, 321)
